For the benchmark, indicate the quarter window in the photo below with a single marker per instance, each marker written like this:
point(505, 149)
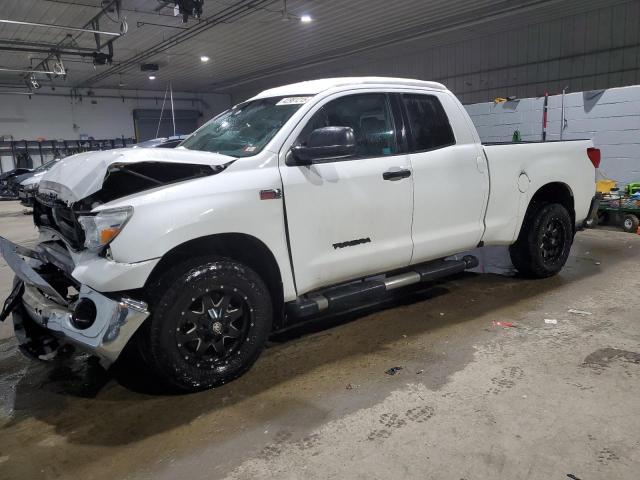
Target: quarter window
point(429, 123)
point(367, 114)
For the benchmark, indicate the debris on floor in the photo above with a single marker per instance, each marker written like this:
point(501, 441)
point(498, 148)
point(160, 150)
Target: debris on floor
point(578, 312)
point(502, 324)
point(551, 321)
point(351, 386)
point(419, 372)
point(393, 370)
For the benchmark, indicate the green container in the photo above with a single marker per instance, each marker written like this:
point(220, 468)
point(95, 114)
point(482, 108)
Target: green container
point(633, 187)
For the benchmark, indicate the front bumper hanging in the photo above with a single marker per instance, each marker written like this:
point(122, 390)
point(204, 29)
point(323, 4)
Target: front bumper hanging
point(113, 323)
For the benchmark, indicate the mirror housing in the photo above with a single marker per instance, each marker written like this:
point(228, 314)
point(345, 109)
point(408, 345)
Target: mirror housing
point(326, 143)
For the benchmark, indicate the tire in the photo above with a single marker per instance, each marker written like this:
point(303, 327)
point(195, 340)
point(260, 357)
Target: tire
point(630, 223)
point(544, 242)
point(210, 320)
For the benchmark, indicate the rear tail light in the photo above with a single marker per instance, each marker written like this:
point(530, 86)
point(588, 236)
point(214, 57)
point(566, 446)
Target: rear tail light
point(594, 156)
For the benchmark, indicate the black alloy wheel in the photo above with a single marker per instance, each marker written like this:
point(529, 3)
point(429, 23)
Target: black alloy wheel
point(553, 239)
point(544, 242)
point(213, 326)
point(210, 318)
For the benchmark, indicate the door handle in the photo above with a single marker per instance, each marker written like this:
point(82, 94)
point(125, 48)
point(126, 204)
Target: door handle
point(395, 175)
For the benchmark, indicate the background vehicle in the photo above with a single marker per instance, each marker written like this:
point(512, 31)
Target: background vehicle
point(27, 183)
point(308, 197)
point(8, 187)
point(620, 209)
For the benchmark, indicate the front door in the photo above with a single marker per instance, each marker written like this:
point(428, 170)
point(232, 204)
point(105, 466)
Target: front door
point(346, 218)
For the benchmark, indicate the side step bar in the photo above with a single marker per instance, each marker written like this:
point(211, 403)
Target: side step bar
point(350, 295)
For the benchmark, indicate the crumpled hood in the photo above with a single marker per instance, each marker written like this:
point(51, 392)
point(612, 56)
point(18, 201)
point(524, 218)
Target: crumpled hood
point(78, 176)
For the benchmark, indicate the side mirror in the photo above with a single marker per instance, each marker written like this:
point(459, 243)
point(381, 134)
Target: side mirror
point(326, 143)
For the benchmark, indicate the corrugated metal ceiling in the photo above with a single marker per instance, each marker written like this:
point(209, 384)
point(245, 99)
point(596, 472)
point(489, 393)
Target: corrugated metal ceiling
point(259, 42)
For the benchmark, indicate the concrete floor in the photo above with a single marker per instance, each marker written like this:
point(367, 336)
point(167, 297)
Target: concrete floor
point(473, 400)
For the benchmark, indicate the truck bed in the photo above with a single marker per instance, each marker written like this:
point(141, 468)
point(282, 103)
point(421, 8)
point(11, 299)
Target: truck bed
point(518, 170)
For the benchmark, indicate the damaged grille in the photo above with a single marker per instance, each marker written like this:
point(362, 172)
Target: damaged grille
point(56, 215)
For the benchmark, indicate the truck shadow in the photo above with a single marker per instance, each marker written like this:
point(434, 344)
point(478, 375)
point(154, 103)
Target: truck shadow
point(83, 404)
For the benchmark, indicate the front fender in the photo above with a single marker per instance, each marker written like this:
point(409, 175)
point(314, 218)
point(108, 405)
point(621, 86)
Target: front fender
point(225, 203)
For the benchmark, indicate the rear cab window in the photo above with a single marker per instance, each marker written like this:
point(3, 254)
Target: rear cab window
point(428, 123)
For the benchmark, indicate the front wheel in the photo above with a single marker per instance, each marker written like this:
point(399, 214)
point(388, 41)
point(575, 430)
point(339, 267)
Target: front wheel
point(210, 321)
point(544, 242)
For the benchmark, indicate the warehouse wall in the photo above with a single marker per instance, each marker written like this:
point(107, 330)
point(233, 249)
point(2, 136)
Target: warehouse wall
point(61, 117)
point(611, 118)
point(519, 55)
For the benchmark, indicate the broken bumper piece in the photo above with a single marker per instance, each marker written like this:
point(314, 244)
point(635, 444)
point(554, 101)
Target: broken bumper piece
point(91, 321)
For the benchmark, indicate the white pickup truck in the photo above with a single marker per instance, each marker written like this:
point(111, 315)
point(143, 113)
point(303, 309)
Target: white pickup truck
point(306, 198)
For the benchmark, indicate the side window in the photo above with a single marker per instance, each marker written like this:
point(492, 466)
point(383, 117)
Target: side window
point(428, 121)
point(367, 114)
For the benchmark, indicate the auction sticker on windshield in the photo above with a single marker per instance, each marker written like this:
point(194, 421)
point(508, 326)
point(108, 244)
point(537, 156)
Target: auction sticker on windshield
point(293, 101)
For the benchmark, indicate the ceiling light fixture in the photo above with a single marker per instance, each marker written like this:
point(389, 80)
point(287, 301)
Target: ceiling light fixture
point(152, 77)
point(204, 59)
point(306, 19)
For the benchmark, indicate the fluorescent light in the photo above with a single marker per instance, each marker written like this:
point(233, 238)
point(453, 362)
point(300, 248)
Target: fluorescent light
point(204, 59)
point(306, 18)
point(152, 77)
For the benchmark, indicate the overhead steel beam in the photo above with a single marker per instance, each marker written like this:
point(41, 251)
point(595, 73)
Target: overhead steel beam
point(138, 11)
point(26, 70)
point(141, 24)
point(60, 27)
point(52, 46)
point(93, 22)
point(232, 12)
point(50, 51)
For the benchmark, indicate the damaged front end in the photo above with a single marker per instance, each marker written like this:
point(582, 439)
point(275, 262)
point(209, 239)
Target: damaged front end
point(57, 207)
point(51, 308)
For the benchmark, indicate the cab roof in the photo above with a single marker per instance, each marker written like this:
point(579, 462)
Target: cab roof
point(313, 87)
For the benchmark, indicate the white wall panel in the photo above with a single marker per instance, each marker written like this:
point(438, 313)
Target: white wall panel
point(611, 118)
point(60, 117)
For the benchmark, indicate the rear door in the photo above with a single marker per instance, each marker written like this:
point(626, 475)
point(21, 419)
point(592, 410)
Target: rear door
point(350, 217)
point(451, 179)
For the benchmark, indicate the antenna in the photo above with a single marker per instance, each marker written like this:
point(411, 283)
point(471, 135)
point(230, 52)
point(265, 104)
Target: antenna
point(162, 110)
point(173, 113)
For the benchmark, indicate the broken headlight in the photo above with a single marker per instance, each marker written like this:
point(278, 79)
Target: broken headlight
point(100, 229)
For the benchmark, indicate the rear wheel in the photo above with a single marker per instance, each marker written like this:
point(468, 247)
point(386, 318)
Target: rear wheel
point(211, 319)
point(630, 223)
point(544, 242)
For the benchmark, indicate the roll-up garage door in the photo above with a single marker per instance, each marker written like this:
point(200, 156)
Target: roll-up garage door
point(146, 123)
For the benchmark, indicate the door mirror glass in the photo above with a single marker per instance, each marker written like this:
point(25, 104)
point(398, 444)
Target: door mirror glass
point(326, 143)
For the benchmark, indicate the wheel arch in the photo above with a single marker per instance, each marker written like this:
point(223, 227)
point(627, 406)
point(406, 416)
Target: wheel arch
point(553, 192)
point(242, 247)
